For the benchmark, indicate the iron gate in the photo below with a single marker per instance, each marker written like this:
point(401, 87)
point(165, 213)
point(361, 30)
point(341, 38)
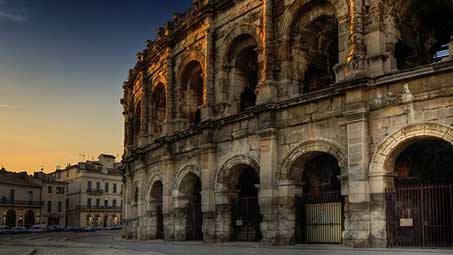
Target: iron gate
point(194, 218)
point(246, 218)
point(420, 215)
point(319, 218)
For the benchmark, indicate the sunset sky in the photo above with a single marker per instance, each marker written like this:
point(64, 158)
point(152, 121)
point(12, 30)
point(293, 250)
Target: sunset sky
point(62, 65)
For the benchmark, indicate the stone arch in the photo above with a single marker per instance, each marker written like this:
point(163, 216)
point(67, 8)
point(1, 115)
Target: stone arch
point(183, 172)
point(190, 57)
point(224, 172)
point(240, 30)
point(291, 15)
point(383, 159)
point(317, 145)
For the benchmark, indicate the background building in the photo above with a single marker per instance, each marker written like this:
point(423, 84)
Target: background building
point(94, 196)
point(27, 200)
point(306, 121)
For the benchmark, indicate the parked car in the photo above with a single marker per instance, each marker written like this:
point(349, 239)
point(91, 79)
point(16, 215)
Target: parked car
point(89, 229)
point(19, 230)
point(99, 228)
point(115, 227)
point(55, 228)
point(4, 230)
point(37, 228)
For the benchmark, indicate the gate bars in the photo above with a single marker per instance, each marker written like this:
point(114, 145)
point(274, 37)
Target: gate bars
point(420, 215)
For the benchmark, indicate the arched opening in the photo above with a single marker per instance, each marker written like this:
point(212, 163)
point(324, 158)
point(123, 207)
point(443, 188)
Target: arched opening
point(159, 108)
point(156, 212)
point(88, 220)
point(105, 220)
point(420, 208)
point(315, 49)
point(193, 92)
point(425, 28)
point(11, 218)
point(29, 218)
point(114, 219)
point(246, 217)
point(190, 188)
point(244, 76)
point(319, 207)
point(97, 220)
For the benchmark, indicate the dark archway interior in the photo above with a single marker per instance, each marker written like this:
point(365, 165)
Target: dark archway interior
point(191, 187)
point(246, 210)
point(247, 64)
point(156, 205)
point(11, 218)
point(193, 89)
point(320, 40)
point(320, 174)
point(426, 161)
point(29, 219)
point(159, 107)
point(425, 28)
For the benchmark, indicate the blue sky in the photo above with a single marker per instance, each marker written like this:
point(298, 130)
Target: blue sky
point(62, 65)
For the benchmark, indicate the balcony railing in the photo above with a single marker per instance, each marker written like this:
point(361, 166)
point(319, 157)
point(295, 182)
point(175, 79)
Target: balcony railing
point(94, 207)
point(20, 202)
point(95, 191)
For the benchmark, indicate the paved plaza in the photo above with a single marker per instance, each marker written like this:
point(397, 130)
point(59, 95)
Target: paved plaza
point(110, 243)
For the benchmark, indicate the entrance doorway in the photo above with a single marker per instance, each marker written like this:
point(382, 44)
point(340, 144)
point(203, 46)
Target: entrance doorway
point(156, 208)
point(190, 189)
point(11, 218)
point(29, 218)
point(319, 209)
point(246, 215)
point(420, 206)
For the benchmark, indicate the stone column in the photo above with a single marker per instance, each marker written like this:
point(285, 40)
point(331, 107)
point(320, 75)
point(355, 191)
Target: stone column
point(286, 211)
point(266, 91)
point(207, 110)
point(208, 171)
point(268, 166)
point(357, 213)
point(380, 61)
point(355, 61)
point(223, 223)
point(170, 111)
point(180, 216)
point(168, 175)
point(144, 108)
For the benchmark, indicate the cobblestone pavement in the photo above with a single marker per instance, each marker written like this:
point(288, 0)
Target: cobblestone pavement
point(109, 243)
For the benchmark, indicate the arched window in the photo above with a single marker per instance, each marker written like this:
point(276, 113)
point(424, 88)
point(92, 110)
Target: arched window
point(159, 108)
point(314, 47)
point(424, 30)
point(137, 119)
point(192, 91)
point(244, 70)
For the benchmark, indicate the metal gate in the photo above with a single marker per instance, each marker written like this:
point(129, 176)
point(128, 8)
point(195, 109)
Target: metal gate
point(319, 218)
point(420, 215)
point(246, 218)
point(194, 218)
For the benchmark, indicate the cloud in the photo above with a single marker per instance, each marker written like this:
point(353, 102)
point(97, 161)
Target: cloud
point(7, 12)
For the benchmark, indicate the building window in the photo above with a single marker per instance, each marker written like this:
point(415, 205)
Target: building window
point(11, 195)
point(98, 202)
point(106, 202)
point(114, 188)
point(49, 206)
point(30, 196)
point(90, 185)
point(106, 187)
point(60, 206)
point(60, 190)
point(89, 202)
point(114, 203)
point(49, 189)
point(98, 186)
point(67, 203)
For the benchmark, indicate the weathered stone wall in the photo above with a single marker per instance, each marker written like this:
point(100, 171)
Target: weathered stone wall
point(363, 118)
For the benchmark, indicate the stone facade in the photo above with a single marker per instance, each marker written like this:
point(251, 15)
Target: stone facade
point(325, 76)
